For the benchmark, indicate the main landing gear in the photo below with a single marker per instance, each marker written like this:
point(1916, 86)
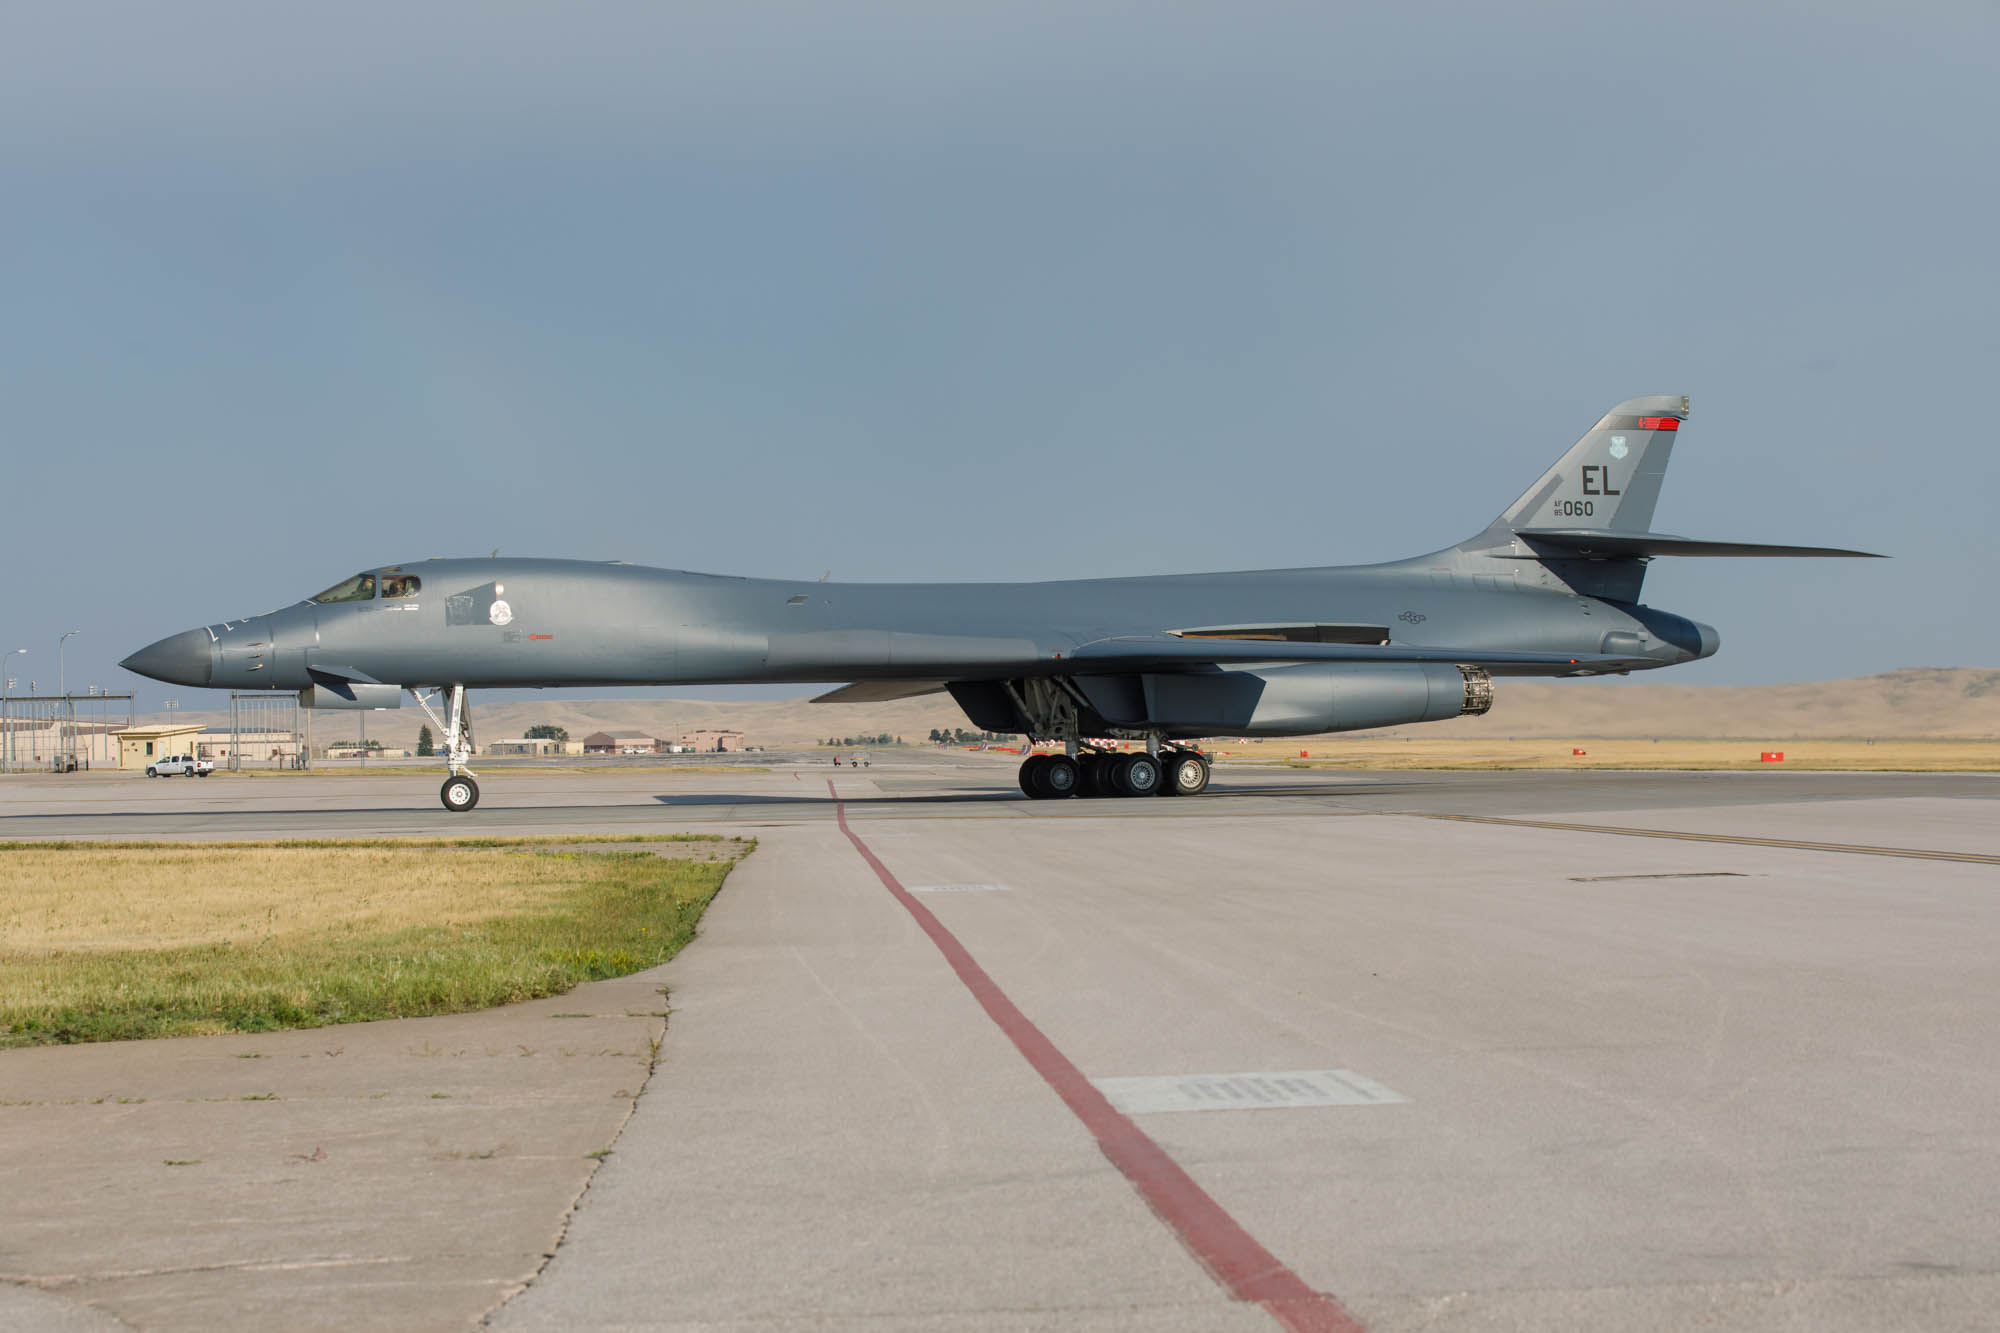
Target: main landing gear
point(459, 792)
point(1174, 771)
point(1054, 709)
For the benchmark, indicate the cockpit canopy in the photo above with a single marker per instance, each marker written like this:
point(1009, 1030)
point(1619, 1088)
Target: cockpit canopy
point(361, 588)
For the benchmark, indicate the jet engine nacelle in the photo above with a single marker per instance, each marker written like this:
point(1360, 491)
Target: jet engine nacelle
point(362, 696)
point(1314, 697)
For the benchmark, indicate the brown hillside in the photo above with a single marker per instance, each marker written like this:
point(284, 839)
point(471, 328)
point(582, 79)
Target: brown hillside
point(1929, 702)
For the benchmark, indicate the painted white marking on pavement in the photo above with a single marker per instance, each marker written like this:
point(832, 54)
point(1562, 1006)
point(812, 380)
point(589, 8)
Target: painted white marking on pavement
point(958, 888)
point(1244, 1092)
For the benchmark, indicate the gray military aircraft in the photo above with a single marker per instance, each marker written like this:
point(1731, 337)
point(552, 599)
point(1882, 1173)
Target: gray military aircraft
point(1549, 588)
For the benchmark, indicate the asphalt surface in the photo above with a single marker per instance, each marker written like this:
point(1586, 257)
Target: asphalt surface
point(1663, 1051)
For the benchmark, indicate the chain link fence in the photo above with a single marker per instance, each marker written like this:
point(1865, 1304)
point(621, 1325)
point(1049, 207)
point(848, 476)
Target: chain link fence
point(266, 730)
point(61, 733)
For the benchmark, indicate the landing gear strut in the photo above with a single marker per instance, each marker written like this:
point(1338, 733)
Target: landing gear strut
point(459, 792)
point(1050, 706)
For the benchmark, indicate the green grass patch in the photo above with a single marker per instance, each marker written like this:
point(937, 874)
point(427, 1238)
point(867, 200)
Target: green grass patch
point(376, 928)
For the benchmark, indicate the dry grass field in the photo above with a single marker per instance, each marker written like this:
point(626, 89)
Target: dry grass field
point(106, 941)
point(1923, 756)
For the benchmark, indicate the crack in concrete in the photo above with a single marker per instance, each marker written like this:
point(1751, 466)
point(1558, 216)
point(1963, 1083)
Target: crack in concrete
point(61, 1281)
point(563, 1223)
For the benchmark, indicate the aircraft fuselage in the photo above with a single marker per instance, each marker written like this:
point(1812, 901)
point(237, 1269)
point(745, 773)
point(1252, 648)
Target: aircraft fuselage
point(544, 623)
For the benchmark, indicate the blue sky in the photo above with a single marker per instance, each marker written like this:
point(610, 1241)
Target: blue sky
point(1020, 291)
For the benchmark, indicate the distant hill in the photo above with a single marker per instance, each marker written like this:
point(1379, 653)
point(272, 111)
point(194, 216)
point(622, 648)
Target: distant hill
point(1915, 702)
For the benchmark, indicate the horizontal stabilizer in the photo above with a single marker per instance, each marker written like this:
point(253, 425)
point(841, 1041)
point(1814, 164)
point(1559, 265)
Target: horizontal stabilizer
point(1602, 543)
point(879, 691)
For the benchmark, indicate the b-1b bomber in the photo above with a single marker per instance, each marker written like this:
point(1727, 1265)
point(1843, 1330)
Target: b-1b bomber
point(1550, 588)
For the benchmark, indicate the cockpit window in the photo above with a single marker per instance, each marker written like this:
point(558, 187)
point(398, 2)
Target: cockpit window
point(400, 585)
point(360, 588)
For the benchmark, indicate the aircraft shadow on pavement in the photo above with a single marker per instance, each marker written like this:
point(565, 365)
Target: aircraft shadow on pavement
point(821, 798)
point(1010, 796)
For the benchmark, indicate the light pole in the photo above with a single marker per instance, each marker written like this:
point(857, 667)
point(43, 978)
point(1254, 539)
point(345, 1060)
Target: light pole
point(67, 737)
point(6, 691)
point(62, 678)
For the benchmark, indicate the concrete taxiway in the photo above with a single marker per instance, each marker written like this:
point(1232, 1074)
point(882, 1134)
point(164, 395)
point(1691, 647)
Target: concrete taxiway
point(1647, 1051)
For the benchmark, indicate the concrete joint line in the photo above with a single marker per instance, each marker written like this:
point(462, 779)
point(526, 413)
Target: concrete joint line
point(1733, 839)
point(60, 1281)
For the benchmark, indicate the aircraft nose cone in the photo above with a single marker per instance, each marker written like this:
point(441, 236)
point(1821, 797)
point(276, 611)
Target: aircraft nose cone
point(179, 659)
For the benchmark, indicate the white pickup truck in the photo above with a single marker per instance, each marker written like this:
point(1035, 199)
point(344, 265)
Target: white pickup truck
point(175, 764)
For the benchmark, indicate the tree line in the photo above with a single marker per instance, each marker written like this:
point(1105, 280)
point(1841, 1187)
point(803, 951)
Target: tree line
point(541, 731)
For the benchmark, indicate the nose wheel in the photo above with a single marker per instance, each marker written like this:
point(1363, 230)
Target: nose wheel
point(459, 794)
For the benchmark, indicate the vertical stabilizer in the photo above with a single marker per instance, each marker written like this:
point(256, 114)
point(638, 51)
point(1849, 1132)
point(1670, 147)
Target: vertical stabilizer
point(1610, 479)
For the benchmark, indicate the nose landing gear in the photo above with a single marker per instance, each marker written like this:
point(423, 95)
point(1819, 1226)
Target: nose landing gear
point(459, 792)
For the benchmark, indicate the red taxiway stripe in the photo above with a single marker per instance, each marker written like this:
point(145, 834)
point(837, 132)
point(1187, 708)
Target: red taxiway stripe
point(1232, 1256)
